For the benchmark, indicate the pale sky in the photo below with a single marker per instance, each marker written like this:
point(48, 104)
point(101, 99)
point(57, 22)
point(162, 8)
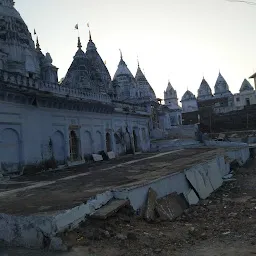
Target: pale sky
point(180, 40)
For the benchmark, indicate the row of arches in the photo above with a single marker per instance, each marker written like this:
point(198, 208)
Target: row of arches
point(77, 146)
point(10, 145)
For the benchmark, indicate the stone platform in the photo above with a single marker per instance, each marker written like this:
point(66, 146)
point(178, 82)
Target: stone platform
point(35, 207)
point(56, 191)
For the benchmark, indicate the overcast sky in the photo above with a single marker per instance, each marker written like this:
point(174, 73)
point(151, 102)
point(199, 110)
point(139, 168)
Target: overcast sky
point(180, 40)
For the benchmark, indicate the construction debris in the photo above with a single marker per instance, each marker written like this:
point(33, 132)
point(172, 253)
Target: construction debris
point(150, 214)
point(171, 207)
point(109, 209)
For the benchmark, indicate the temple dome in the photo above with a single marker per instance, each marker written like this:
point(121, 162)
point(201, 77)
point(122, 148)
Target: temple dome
point(124, 82)
point(246, 86)
point(143, 85)
point(221, 86)
point(16, 42)
point(81, 74)
point(122, 69)
point(170, 93)
point(97, 63)
point(204, 91)
point(188, 95)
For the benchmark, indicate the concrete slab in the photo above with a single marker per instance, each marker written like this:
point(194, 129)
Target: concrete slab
point(150, 205)
point(215, 175)
point(199, 178)
point(109, 209)
point(97, 158)
point(191, 197)
point(170, 207)
point(79, 192)
point(111, 155)
point(75, 186)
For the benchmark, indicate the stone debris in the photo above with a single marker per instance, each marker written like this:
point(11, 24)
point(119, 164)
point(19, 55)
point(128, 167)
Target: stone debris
point(97, 158)
point(170, 207)
point(111, 155)
point(150, 214)
point(191, 197)
point(109, 209)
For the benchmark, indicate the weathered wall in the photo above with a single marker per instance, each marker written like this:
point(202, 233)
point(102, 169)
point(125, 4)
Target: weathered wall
point(26, 132)
point(184, 131)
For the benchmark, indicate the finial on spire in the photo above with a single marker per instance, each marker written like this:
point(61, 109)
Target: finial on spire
point(121, 54)
point(37, 41)
point(37, 44)
point(79, 45)
point(90, 34)
point(138, 61)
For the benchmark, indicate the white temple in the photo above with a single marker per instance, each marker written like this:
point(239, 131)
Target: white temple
point(42, 120)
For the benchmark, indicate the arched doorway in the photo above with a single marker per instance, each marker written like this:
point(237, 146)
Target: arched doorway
point(128, 143)
point(108, 142)
point(58, 146)
point(9, 147)
point(135, 139)
point(74, 146)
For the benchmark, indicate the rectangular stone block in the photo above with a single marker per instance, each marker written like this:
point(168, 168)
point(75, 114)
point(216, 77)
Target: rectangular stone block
point(111, 155)
point(97, 158)
point(170, 207)
point(109, 209)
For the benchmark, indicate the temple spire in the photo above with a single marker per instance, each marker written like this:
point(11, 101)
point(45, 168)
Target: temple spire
point(121, 54)
point(79, 45)
point(37, 44)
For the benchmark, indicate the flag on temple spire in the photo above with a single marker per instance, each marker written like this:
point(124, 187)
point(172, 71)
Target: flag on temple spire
point(76, 26)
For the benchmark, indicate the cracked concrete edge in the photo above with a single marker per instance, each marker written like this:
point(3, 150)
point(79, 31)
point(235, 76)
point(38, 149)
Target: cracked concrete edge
point(40, 231)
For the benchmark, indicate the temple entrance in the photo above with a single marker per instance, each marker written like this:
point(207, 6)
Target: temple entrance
point(108, 142)
point(135, 139)
point(73, 146)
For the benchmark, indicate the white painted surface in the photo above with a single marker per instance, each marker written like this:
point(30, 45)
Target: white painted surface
point(198, 177)
point(191, 197)
point(97, 158)
point(163, 186)
point(111, 155)
point(41, 124)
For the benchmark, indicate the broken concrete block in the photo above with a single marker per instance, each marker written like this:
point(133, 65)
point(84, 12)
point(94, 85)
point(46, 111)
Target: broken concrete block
point(191, 197)
point(111, 155)
point(150, 214)
point(109, 209)
point(171, 206)
point(215, 175)
point(97, 158)
point(198, 176)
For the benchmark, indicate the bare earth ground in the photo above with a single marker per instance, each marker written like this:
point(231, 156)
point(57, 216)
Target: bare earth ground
point(224, 224)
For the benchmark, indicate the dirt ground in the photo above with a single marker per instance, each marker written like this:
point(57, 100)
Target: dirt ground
point(224, 224)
